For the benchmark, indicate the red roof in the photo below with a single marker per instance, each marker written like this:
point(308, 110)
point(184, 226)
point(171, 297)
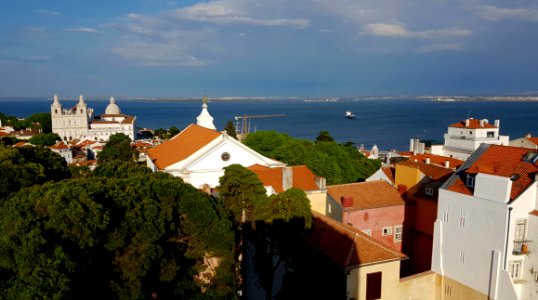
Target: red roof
point(502, 161)
point(346, 245)
point(533, 140)
point(59, 146)
point(473, 124)
point(371, 194)
point(389, 172)
point(434, 159)
point(181, 146)
point(302, 177)
point(20, 144)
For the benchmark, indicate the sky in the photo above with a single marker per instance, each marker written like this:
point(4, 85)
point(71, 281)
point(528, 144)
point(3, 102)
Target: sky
point(305, 48)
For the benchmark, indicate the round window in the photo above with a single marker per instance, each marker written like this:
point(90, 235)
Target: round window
point(225, 156)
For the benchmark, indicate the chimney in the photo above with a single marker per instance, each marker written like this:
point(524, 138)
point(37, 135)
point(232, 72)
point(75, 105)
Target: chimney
point(527, 136)
point(411, 145)
point(287, 178)
point(447, 164)
point(467, 122)
point(481, 123)
point(321, 183)
point(347, 201)
point(497, 123)
point(428, 160)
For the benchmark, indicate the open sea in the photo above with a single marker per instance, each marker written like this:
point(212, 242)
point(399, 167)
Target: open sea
point(388, 123)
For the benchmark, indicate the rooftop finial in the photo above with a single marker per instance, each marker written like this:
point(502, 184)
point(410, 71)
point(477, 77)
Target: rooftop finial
point(81, 98)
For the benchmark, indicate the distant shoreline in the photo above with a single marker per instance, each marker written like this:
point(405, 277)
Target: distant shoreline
point(292, 98)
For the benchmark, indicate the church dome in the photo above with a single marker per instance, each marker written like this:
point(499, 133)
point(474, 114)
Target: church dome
point(112, 108)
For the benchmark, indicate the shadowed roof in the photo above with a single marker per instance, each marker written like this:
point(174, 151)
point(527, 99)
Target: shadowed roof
point(370, 194)
point(182, 145)
point(432, 171)
point(346, 245)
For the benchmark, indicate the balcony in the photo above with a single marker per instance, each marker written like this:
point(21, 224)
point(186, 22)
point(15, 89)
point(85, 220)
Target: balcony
point(520, 247)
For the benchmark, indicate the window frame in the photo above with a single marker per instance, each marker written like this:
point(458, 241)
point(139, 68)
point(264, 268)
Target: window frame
point(388, 229)
point(398, 233)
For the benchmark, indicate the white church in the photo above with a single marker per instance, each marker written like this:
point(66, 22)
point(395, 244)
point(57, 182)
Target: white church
point(79, 121)
point(199, 153)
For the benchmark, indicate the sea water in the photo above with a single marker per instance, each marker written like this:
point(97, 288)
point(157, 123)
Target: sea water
point(387, 123)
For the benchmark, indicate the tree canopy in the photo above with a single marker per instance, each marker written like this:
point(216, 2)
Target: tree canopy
point(136, 237)
point(37, 121)
point(336, 162)
point(118, 147)
point(230, 129)
point(45, 139)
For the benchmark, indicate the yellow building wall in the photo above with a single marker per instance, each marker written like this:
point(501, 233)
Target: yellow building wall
point(318, 201)
point(390, 280)
point(422, 286)
point(453, 290)
point(407, 176)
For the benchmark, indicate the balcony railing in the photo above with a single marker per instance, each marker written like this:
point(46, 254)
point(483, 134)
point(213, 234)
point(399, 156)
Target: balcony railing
point(520, 247)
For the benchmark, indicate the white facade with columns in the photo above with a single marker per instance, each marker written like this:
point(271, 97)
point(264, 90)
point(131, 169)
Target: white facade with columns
point(79, 122)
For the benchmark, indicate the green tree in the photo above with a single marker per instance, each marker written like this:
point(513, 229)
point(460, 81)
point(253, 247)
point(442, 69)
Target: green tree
point(45, 139)
point(161, 133)
point(118, 147)
point(138, 237)
point(43, 119)
point(241, 191)
point(324, 136)
point(230, 129)
point(173, 131)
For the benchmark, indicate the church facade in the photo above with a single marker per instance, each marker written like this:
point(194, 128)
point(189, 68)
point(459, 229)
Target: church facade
point(79, 121)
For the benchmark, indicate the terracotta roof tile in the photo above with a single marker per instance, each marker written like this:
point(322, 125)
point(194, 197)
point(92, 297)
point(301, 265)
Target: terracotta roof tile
point(303, 178)
point(346, 245)
point(389, 172)
point(181, 146)
point(59, 146)
point(533, 140)
point(367, 195)
point(432, 171)
point(434, 159)
point(473, 124)
point(534, 213)
point(20, 144)
point(502, 161)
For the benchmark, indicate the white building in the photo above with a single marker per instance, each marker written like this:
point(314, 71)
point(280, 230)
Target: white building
point(63, 150)
point(466, 136)
point(198, 154)
point(485, 232)
point(79, 122)
point(528, 141)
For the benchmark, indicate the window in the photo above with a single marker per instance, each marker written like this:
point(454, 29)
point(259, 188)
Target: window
point(398, 233)
point(448, 290)
point(429, 191)
point(462, 218)
point(445, 215)
point(387, 231)
point(519, 234)
point(373, 286)
point(515, 269)
point(470, 181)
point(491, 134)
point(367, 231)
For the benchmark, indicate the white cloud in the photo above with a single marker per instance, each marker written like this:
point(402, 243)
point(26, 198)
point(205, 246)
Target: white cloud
point(83, 29)
point(441, 47)
point(399, 31)
point(493, 13)
point(222, 12)
point(48, 12)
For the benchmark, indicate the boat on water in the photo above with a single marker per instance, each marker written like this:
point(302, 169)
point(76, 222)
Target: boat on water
point(350, 115)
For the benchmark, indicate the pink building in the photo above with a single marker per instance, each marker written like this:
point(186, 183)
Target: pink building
point(376, 208)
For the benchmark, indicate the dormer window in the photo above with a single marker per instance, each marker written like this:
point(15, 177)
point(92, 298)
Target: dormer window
point(470, 181)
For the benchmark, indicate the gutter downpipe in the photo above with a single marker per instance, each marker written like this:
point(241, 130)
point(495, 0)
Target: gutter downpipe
point(507, 236)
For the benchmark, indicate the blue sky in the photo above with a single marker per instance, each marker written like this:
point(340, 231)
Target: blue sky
point(268, 48)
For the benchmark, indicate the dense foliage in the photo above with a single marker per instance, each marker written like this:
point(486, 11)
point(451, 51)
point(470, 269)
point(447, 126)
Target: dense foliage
point(166, 134)
point(27, 166)
point(45, 139)
point(119, 148)
point(124, 233)
point(230, 129)
point(37, 121)
point(336, 162)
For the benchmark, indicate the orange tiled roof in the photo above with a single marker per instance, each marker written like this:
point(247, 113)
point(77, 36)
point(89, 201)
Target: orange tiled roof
point(346, 245)
point(534, 213)
point(533, 140)
point(181, 146)
point(436, 159)
point(473, 124)
point(303, 178)
point(3, 133)
point(59, 146)
point(389, 172)
point(20, 144)
point(432, 171)
point(367, 195)
point(502, 161)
